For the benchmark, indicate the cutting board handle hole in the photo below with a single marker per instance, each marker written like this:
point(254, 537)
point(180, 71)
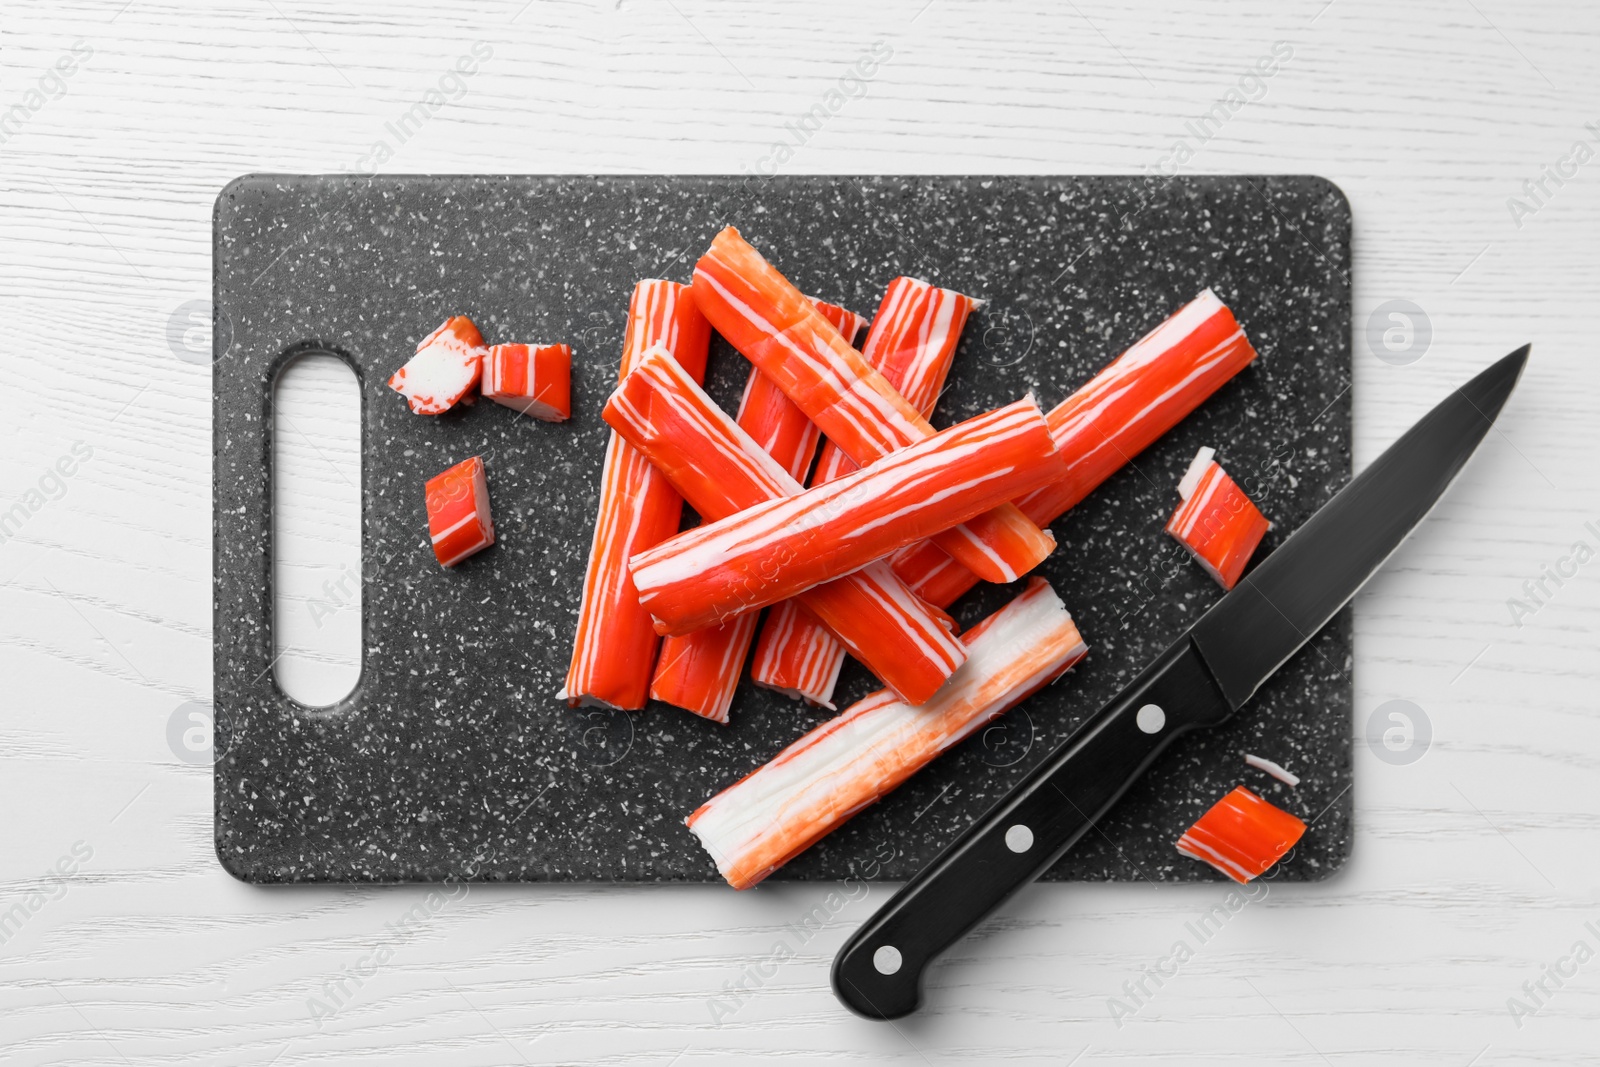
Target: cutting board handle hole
point(315, 432)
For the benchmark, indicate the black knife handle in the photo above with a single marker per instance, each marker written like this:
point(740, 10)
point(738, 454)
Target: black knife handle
point(878, 973)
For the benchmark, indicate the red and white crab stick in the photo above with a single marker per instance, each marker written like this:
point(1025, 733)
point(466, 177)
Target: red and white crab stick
point(912, 342)
point(812, 787)
point(700, 671)
point(1216, 522)
point(721, 471)
point(768, 320)
point(783, 547)
point(1139, 396)
point(615, 647)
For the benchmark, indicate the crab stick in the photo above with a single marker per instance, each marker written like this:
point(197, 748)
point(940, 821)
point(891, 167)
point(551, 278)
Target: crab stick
point(787, 339)
point(812, 787)
point(533, 379)
point(785, 432)
point(458, 512)
point(797, 656)
point(1216, 522)
point(446, 367)
point(1139, 396)
point(1242, 835)
point(700, 671)
point(662, 413)
point(912, 343)
point(785, 546)
point(614, 649)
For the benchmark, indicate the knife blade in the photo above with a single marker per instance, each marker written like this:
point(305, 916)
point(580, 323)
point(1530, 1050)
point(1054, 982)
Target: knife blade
point(1200, 681)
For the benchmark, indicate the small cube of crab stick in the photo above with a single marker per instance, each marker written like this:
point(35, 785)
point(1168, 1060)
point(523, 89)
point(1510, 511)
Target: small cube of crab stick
point(1242, 835)
point(446, 367)
point(614, 648)
point(1216, 522)
point(533, 379)
point(458, 512)
point(814, 786)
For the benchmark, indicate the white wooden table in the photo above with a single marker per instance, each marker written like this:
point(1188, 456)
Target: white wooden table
point(1476, 867)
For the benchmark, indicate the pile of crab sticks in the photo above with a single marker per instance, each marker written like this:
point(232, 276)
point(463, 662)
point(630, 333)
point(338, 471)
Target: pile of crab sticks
point(830, 499)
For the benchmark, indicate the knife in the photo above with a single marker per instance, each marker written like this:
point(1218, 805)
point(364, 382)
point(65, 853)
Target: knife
point(1202, 680)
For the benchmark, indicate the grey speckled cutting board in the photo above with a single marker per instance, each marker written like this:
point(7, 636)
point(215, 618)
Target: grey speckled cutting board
point(453, 759)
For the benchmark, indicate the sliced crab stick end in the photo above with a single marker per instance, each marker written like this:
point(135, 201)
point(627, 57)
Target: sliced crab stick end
point(699, 672)
point(1135, 399)
point(721, 471)
point(783, 334)
point(813, 787)
point(783, 547)
point(1216, 522)
point(446, 367)
point(459, 523)
point(797, 655)
point(1242, 835)
point(912, 343)
point(614, 647)
point(533, 379)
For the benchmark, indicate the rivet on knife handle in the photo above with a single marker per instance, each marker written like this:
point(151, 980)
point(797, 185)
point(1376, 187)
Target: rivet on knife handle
point(879, 971)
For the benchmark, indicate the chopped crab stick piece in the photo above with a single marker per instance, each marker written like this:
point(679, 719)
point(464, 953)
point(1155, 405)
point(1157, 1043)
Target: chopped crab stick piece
point(788, 339)
point(700, 671)
point(812, 787)
point(782, 547)
point(446, 367)
point(1216, 522)
point(721, 471)
point(458, 512)
point(533, 379)
point(614, 649)
point(912, 342)
point(1139, 396)
point(1242, 835)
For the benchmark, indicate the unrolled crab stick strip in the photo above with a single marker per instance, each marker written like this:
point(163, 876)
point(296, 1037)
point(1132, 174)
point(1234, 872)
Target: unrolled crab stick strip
point(458, 512)
point(1242, 835)
point(912, 342)
point(775, 550)
point(614, 649)
point(446, 367)
point(777, 329)
point(533, 379)
point(1139, 396)
point(812, 787)
point(700, 671)
point(720, 470)
point(1216, 522)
